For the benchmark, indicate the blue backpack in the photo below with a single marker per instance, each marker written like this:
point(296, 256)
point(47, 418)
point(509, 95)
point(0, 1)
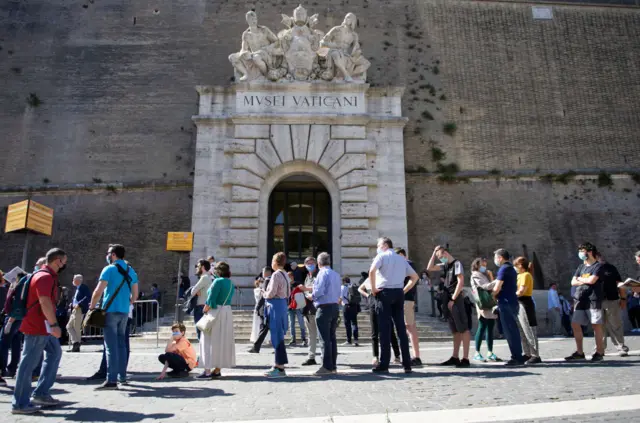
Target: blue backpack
point(19, 295)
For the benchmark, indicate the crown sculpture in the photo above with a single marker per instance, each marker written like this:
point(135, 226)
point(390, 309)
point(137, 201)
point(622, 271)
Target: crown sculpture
point(301, 52)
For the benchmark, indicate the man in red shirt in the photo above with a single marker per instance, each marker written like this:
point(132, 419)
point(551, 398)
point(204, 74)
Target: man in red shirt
point(41, 332)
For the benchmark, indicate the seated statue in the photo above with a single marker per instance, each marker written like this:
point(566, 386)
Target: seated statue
point(259, 54)
point(343, 55)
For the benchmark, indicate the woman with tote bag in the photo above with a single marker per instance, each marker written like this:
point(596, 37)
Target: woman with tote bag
point(481, 286)
point(217, 341)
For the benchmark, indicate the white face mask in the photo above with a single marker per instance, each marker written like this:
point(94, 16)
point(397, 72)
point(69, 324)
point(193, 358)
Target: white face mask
point(497, 262)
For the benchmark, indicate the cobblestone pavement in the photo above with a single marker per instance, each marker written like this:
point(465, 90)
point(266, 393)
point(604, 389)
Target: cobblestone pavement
point(244, 394)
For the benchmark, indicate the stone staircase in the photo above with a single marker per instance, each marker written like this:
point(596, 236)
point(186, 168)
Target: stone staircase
point(429, 329)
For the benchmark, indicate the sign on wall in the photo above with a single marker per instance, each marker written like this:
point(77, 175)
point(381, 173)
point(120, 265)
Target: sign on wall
point(28, 214)
point(179, 241)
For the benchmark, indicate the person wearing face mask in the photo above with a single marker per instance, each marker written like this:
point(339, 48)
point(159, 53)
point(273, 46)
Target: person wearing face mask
point(119, 284)
point(200, 290)
point(454, 304)
point(506, 286)
point(309, 311)
point(588, 302)
point(480, 281)
point(41, 333)
point(179, 355)
point(387, 275)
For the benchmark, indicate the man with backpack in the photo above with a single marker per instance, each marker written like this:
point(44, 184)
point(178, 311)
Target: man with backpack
point(119, 283)
point(38, 295)
point(350, 298)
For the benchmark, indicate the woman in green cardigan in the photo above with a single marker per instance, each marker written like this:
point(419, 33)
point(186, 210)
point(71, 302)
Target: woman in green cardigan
point(217, 347)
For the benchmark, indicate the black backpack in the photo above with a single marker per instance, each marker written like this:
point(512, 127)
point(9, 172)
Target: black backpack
point(354, 295)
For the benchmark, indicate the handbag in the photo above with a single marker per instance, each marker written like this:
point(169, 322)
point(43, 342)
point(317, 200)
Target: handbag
point(206, 322)
point(485, 300)
point(97, 317)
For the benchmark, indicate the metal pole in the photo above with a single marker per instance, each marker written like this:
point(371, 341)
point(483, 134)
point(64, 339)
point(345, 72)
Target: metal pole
point(25, 250)
point(177, 317)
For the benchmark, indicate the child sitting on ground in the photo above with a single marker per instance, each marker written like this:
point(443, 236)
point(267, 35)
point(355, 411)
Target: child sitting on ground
point(179, 354)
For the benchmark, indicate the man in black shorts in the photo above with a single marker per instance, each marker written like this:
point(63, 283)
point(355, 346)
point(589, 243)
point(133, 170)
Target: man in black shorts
point(454, 308)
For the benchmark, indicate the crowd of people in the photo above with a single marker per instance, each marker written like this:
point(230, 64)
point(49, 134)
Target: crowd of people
point(314, 296)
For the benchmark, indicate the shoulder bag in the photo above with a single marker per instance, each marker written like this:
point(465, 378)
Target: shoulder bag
point(206, 322)
point(97, 317)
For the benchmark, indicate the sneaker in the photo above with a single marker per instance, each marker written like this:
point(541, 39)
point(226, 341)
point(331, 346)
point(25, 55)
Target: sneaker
point(253, 351)
point(397, 360)
point(310, 362)
point(575, 357)
point(355, 344)
point(275, 373)
point(623, 353)
point(379, 369)
point(478, 357)
point(305, 344)
point(493, 357)
point(526, 358)
point(293, 344)
point(97, 376)
point(534, 360)
point(29, 409)
point(203, 376)
point(514, 363)
point(416, 362)
point(375, 362)
point(123, 382)
point(463, 363)
point(2, 381)
point(11, 374)
point(451, 362)
point(346, 344)
point(107, 386)
point(323, 372)
point(597, 357)
point(44, 401)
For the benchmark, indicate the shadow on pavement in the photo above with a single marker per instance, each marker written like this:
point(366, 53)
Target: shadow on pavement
point(101, 415)
point(158, 391)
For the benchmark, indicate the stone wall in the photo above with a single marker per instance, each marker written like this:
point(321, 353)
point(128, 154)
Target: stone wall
point(550, 220)
point(85, 223)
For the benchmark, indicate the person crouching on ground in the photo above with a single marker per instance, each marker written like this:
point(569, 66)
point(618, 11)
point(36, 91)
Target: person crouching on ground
point(179, 355)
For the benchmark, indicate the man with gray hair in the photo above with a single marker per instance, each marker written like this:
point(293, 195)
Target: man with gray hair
point(387, 274)
point(325, 294)
point(80, 306)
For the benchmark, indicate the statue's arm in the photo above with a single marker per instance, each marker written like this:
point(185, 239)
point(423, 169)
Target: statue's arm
point(245, 43)
point(327, 40)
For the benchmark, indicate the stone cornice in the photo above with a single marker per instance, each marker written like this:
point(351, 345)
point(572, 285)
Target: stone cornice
point(388, 91)
point(303, 119)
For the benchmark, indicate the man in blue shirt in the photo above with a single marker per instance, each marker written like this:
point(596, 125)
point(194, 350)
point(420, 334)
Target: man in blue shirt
point(505, 292)
point(119, 283)
point(80, 307)
point(326, 294)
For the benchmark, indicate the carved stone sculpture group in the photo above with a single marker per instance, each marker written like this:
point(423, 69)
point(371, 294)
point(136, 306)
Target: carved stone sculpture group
point(300, 52)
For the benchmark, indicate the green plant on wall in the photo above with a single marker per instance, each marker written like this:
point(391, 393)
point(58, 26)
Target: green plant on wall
point(604, 180)
point(33, 100)
point(437, 155)
point(450, 128)
point(447, 172)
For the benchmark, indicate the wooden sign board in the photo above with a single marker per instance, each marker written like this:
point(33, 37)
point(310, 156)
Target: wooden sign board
point(40, 218)
point(28, 214)
point(17, 216)
point(179, 241)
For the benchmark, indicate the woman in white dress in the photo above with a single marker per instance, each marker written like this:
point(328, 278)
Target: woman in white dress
point(257, 320)
point(217, 346)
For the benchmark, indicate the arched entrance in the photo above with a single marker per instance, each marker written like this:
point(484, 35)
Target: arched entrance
point(299, 218)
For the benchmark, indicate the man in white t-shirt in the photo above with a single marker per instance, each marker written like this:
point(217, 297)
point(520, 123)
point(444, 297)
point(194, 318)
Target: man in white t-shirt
point(387, 274)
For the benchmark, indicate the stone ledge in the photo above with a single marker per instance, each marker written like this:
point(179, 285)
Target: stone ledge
point(374, 121)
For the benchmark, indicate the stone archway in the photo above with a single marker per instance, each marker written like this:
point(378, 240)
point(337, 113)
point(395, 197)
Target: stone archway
point(296, 168)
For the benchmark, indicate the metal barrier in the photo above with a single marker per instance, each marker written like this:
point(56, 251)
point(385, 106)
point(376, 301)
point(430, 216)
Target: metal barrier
point(144, 320)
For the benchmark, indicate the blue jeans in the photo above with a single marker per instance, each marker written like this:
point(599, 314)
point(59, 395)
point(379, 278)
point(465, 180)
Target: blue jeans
point(12, 340)
point(198, 312)
point(350, 315)
point(327, 322)
point(509, 320)
point(34, 345)
point(276, 308)
point(390, 310)
point(115, 344)
point(103, 363)
point(293, 314)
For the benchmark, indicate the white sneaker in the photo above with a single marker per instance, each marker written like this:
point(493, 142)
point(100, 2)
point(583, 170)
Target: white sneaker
point(375, 362)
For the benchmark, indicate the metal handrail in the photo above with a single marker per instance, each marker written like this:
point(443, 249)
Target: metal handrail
point(157, 317)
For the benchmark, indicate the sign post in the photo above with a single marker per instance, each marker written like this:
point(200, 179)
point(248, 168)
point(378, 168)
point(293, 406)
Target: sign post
point(28, 216)
point(180, 242)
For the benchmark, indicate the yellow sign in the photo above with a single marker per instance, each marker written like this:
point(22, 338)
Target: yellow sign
point(17, 216)
point(28, 214)
point(179, 241)
point(40, 218)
